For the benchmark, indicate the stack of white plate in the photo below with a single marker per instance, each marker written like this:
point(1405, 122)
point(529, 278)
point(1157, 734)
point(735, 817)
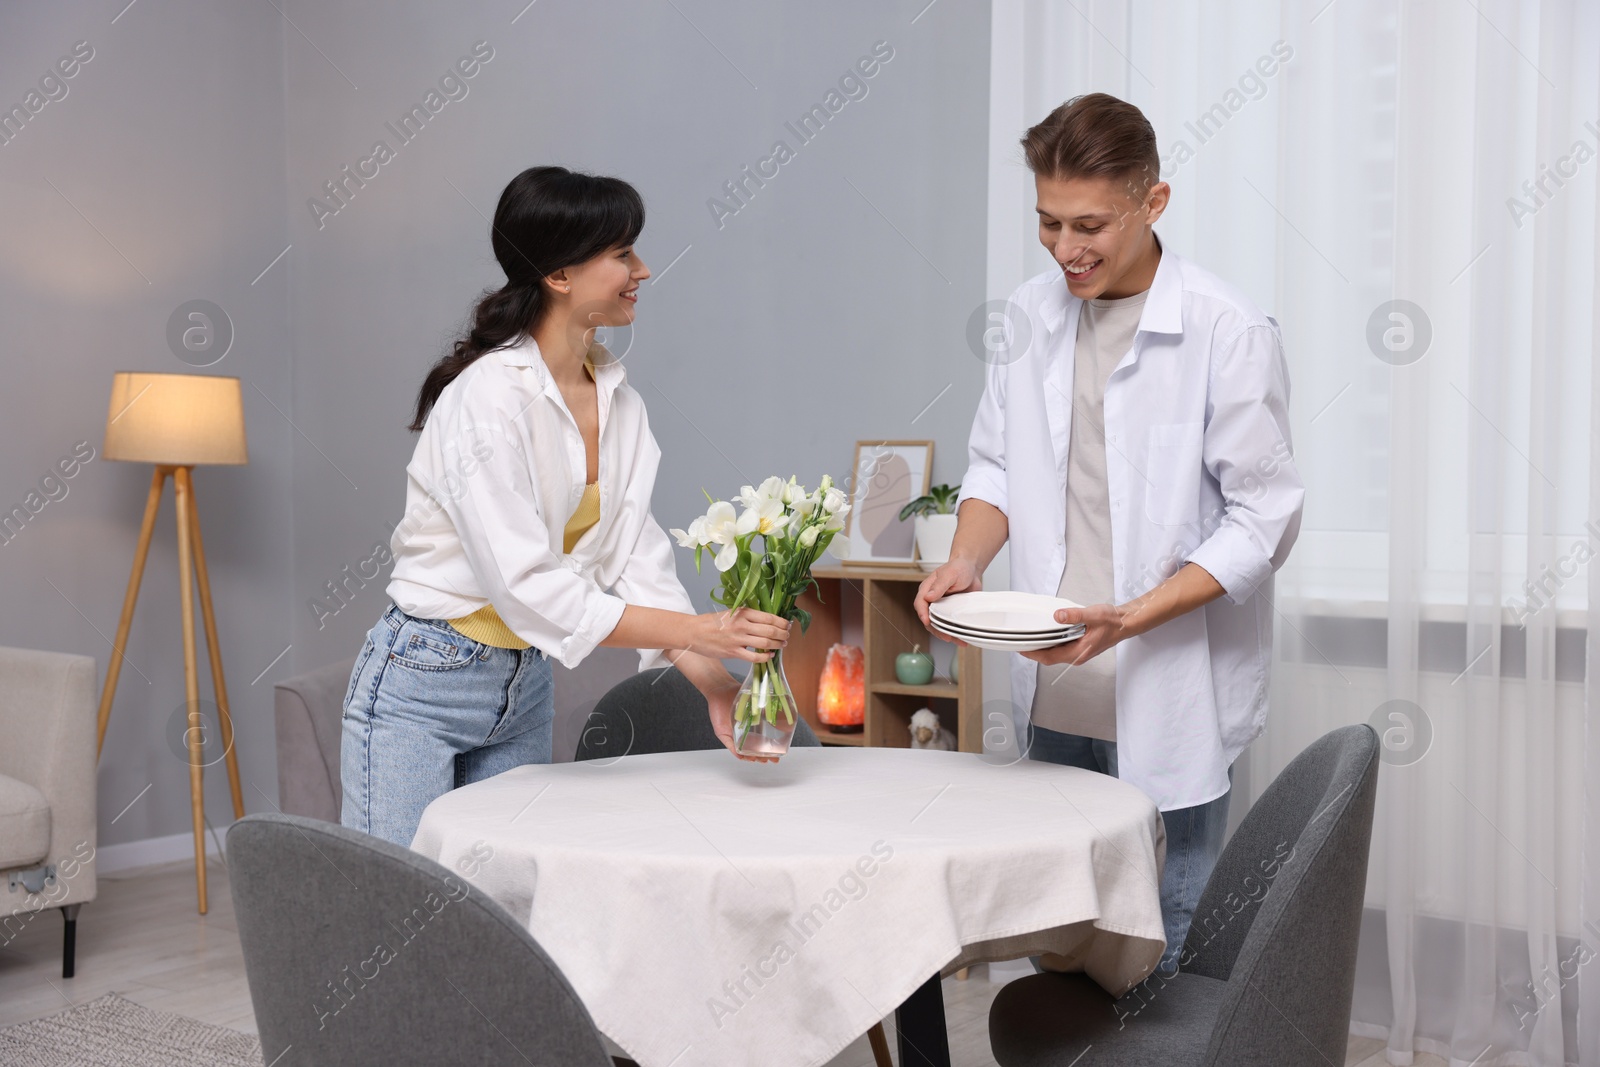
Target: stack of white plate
point(1005, 621)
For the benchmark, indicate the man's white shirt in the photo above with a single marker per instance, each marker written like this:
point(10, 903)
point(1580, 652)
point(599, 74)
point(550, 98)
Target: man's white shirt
point(1199, 468)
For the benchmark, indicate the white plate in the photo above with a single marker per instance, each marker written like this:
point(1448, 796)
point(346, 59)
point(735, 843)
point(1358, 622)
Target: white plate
point(1056, 631)
point(1003, 645)
point(996, 645)
point(1072, 630)
point(1002, 611)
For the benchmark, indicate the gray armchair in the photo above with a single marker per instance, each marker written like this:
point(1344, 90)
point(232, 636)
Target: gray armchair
point(47, 789)
point(1267, 972)
point(308, 710)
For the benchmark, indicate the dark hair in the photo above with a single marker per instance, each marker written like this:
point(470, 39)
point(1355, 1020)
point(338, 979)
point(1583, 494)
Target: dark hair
point(1095, 136)
point(548, 218)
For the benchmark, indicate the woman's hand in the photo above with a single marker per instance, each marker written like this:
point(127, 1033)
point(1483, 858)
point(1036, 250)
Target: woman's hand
point(744, 634)
point(719, 699)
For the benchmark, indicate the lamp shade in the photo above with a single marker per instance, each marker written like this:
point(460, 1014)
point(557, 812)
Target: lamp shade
point(176, 419)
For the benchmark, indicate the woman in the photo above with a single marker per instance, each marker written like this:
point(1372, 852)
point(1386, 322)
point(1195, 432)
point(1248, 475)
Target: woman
point(527, 534)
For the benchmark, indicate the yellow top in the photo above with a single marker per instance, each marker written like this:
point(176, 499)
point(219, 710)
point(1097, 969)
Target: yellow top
point(485, 625)
point(584, 516)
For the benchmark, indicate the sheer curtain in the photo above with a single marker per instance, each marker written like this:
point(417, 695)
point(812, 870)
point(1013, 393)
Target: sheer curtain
point(1410, 190)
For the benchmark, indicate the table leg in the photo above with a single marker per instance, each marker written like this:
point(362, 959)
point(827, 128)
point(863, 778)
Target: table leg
point(880, 1046)
point(920, 1028)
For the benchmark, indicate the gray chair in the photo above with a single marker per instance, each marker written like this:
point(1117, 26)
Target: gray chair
point(359, 952)
point(1267, 972)
point(308, 710)
point(657, 711)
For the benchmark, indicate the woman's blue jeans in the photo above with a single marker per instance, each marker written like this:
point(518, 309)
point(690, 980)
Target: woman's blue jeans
point(1194, 835)
point(429, 710)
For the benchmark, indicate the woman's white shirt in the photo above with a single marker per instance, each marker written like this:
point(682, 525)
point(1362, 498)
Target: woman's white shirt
point(1199, 469)
point(498, 469)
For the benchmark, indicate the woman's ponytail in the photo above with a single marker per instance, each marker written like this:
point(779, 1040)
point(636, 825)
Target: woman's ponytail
point(502, 315)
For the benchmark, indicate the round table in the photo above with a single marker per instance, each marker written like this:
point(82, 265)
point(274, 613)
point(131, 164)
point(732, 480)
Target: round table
point(712, 911)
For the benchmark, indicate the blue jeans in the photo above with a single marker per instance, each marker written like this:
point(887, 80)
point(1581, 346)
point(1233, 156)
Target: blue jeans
point(1194, 835)
point(429, 710)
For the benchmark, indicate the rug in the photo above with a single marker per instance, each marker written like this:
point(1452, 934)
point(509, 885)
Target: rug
point(115, 1032)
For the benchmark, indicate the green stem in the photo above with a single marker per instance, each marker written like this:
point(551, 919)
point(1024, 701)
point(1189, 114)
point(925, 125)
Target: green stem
point(767, 693)
point(781, 693)
point(770, 679)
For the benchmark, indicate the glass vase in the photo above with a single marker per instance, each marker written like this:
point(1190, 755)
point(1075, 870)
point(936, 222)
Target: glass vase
point(764, 712)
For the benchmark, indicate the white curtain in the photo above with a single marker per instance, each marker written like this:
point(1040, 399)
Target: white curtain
point(1330, 158)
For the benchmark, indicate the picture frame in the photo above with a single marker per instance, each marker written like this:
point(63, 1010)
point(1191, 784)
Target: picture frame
point(885, 477)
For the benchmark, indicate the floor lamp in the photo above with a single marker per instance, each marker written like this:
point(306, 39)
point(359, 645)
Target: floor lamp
point(177, 422)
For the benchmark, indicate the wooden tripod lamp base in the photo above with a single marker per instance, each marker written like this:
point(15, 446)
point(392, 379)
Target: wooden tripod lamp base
point(177, 421)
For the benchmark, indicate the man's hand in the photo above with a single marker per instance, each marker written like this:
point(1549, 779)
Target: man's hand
point(957, 576)
point(1106, 625)
point(1190, 588)
point(980, 531)
point(719, 700)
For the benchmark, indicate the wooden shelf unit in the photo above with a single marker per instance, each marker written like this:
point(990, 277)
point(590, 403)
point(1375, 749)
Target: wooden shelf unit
point(889, 626)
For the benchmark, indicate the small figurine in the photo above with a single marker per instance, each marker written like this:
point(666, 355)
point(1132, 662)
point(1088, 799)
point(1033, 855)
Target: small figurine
point(927, 733)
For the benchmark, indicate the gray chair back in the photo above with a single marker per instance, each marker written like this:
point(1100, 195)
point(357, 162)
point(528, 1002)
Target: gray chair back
point(359, 952)
point(657, 711)
point(1280, 917)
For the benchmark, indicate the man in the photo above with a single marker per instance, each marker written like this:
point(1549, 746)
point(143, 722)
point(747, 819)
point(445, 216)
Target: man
point(1134, 449)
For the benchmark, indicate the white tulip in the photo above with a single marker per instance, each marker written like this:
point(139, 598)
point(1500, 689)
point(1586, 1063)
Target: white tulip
point(765, 518)
point(805, 511)
point(694, 536)
point(771, 489)
point(774, 509)
point(721, 524)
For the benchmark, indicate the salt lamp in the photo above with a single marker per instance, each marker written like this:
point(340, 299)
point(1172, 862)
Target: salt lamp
point(841, 691)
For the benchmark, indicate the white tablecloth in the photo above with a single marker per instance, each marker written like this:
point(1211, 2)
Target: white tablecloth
point(710, 911)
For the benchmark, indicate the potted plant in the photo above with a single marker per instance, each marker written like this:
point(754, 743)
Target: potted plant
point(935, 525)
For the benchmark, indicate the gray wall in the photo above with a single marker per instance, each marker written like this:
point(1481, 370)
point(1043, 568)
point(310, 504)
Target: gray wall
point(832, 307)
point(804, 322)
point(166, 160)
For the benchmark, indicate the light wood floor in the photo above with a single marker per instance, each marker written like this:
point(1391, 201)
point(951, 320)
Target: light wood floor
point(142, 939)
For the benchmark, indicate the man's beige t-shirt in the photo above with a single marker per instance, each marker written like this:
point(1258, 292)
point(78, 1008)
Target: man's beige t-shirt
point(1083, 699)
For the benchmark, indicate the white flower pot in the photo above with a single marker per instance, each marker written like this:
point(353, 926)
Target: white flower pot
point(934, 535)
